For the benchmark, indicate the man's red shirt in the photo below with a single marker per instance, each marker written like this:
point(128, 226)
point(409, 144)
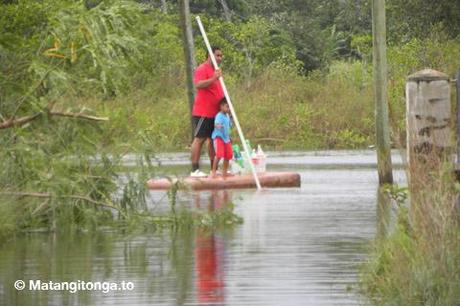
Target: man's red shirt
point(207, 99)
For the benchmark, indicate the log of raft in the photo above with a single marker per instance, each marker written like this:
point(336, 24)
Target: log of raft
point(267, 179)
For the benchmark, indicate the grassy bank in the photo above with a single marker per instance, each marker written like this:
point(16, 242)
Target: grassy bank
point(279, 107)
point(416, 262)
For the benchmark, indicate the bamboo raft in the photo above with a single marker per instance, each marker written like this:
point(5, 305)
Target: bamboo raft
point(267, 179)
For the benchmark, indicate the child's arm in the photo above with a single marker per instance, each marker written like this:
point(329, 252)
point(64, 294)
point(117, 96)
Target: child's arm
point(218, 123)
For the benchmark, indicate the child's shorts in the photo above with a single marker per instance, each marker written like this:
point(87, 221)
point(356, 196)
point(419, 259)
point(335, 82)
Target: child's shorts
point(222, 149)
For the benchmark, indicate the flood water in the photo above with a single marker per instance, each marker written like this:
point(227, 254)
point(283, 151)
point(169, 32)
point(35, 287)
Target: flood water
point(299, 246)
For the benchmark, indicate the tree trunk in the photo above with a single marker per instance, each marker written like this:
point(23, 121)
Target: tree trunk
point(227, 12)
point(164, 6)
point(190, 63)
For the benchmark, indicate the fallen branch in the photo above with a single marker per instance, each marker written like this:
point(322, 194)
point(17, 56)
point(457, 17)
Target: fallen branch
point(49, 195)
point(77, 197)
point(78, 115)
point(11, 122)
point(268, 139)
point(43, 204)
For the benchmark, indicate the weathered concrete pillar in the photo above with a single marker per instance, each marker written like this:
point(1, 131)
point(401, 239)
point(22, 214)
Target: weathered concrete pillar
point(429, 142)
point(428, 116)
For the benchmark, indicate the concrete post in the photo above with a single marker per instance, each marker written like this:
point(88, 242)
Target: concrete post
point(429, 137)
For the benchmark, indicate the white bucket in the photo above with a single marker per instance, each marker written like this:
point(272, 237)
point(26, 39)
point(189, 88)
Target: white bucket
point(260, 164)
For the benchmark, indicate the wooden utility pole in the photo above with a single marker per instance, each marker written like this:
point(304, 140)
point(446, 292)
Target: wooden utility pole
point(164, 6)
point(458, 116)
point(380, 92)
point(190, 63)
point(226, 9)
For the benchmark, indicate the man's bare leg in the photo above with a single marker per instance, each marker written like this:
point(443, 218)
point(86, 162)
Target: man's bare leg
point(211, 152)
point(196, 152)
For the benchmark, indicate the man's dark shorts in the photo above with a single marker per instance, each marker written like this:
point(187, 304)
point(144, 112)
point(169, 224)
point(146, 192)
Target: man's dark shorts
point(204, 127)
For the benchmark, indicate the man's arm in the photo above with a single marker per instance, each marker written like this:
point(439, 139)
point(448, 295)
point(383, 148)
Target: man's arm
point(208, 82)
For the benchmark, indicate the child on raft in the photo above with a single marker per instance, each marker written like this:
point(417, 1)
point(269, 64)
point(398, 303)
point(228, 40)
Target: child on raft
point(221, 139)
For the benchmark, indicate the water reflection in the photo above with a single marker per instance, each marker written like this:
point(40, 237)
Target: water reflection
point(209, 255)
point(171, 267)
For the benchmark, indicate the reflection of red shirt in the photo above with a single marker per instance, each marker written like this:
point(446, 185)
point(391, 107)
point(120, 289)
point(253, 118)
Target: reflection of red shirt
point(207, 99)
point(208, 253)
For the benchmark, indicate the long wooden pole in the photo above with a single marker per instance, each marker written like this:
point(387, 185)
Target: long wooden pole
point(230, 104)
point(190, 63)
point(380, 92)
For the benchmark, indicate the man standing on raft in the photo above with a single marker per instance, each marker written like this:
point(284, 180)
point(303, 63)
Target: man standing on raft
point(205, 108)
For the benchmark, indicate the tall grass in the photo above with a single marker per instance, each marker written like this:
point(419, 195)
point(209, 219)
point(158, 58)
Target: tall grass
point(320, 111)
point(279, 107)
point(417, 264)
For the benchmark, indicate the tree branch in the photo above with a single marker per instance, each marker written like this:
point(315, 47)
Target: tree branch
point(49, 195)
point(78, 115)
point(97, 203)
point(11, 122)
